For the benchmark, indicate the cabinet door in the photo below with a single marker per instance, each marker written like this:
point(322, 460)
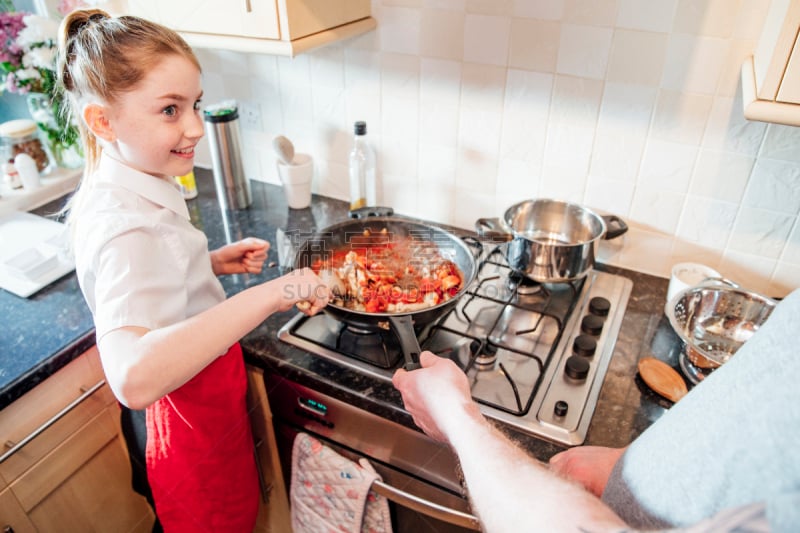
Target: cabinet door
point(243, 18)
point(12, 516)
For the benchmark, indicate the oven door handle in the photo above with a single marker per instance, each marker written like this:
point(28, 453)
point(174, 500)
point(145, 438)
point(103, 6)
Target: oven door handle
point(426, 507)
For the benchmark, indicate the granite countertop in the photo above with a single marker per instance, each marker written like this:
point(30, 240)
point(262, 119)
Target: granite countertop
point(47, 330)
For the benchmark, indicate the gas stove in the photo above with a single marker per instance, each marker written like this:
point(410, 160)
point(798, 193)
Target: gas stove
point(535, 354)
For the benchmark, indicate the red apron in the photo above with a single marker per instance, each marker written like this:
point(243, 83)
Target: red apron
point(200, 461)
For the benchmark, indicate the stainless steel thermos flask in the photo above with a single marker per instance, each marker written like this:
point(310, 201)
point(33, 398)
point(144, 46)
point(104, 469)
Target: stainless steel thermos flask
point(224, 138)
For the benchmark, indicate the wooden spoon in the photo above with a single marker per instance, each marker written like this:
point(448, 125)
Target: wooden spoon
point(284, 148)
point(662, 378)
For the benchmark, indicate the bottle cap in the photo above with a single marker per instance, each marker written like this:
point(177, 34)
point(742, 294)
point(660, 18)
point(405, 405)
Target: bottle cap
point(361, 128)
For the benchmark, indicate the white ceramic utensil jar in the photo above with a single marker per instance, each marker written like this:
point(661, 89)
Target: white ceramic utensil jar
point(296, 179)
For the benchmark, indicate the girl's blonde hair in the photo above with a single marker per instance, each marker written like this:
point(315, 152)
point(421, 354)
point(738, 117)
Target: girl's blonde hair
point(102, 57)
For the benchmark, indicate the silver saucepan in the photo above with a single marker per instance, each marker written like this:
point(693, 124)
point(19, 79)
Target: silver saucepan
point(551, 241)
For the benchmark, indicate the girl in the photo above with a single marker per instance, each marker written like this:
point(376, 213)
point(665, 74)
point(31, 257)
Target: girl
point(166, 334)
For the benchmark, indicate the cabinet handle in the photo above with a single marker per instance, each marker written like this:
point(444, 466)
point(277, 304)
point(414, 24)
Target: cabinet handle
point(426, 507)
point(247, 6)
point(38, 431)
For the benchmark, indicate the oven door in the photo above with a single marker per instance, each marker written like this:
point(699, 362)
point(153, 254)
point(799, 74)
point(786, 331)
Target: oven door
point(419, 475)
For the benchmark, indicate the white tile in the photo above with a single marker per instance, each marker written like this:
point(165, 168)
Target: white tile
point(486, 39)
point(335, 183)
point(576, 101)
point(569, 147)
point(294, 71)
point(479, 132)
point(694, 64)
point(785, 279)
point(438, 124)
point(263, 67)
point(760, 232)
point(609, 195)
point(728, 130)
point(527, 103)
point(297, 103)
point(731, 74)
point(791, 253)
point(401, 3)
point(442, 34)
point(399, 76)
point(782, 142)
point(591, 12)
point(707, 222)
point(637, 57)
point(626, 109)
point(689, 252)
point(721, 175)
point(774, 186)
point(400, 119)
point(237, 87)
point(364, 104)
point(436, 166)
point(213, 87)
point(539, 9)
point(617, 156)
point(517, 179)
point(476, 171)
point(752, 272)
point(469, 206)
point(713, 18)
point(562, 184)
point(646, 15)
point(231, 62)
point(657, 209)
point(403, 193)
point(750, 19)
point(362, 69)
point(436, 202)
point(583, 51)
point(399, 30)
point(647, 251)
point(534, 44)
point(329, 109)
point(451, 5)
point(483, 87)
point(334, 144)
point(490, 7)
point(680, 117)
point(667, 166)
point(327, 67)
point(439, 81)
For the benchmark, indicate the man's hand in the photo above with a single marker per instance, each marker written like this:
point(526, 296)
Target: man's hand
point(245, 256)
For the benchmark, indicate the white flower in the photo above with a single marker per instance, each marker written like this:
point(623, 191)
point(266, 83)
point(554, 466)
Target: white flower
point(42, 57)
point(28, 74)
point(38, 30)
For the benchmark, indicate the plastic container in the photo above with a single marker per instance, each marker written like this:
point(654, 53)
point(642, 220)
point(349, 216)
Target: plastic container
point(224, 138)
point(362, 169)
point(21, 136)
point(187, 185)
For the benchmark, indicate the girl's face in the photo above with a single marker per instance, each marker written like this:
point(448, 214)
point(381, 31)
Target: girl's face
point(157, 124)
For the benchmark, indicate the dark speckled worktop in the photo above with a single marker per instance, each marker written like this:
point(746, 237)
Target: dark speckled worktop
point(47, 330)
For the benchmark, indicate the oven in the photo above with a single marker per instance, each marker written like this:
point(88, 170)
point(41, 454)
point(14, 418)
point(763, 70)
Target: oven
point(535, 354)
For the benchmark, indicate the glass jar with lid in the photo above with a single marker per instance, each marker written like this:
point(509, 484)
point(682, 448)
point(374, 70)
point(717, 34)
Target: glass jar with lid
point(22, 136)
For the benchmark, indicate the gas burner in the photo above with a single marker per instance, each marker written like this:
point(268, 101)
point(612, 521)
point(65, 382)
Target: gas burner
point(486, 356)
point(523, 285)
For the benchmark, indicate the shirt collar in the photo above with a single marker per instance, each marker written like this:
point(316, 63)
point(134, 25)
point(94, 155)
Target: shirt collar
point(159, 191)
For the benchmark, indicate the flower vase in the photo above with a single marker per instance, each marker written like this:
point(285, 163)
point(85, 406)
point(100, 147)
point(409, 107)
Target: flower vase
point(62, 139)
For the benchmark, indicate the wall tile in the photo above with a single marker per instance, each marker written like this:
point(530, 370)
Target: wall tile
point(439, 81)
point(591, 12)
point(680, 117)
point(609, 195)
point(750, 19)
point(626, 109)
point(694, 64)
point(525, 112)
point(637, 57)
point(728, 130)
point(490, 7)
point(721, 175)
point(731, 74)
point(534, 44)
point(714, 18)
point(482, 87)
point(760, 232)
point(442, 34)
point(791, 253)
point(774, 186)
point(479, 132)
point(617, 156)
point(540, 9)
point(753, 272)
point(785, 279)
point(486, 39)
point(646, 16)
point(583, 51)
point(658, 208)
point(667, 165)
point(399, 31)
point(438, 124)
point(650, 250)
point(575, 101)
point(562, 184)
point(569, 147)
point(684, 251)
point(706, 222)
point(782, 142)
point(452, 5)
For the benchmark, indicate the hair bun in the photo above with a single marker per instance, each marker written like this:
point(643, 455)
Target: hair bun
point(77, 20)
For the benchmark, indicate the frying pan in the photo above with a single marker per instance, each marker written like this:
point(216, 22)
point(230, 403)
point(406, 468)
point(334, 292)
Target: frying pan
point(362, 234)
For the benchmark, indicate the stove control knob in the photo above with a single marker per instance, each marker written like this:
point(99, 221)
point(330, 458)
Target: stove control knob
point(592, 324)
point(599, 306)
point(577, 367)
point(584, 345)
point(561, 408)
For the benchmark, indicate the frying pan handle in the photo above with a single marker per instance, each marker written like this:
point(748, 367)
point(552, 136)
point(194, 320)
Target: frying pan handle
point(476, 247)
point(493, 228)
point(403, 327)
point(365, 212)
point(614, 232)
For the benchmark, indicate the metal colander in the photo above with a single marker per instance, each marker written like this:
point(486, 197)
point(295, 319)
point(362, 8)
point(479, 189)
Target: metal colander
point(713, 321)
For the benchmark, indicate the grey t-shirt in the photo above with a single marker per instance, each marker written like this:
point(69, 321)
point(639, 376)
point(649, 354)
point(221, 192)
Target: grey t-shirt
point(729, 443)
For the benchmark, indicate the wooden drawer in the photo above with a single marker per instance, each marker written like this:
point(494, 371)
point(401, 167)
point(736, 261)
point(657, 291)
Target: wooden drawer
point(12, 515)
point(58, 395)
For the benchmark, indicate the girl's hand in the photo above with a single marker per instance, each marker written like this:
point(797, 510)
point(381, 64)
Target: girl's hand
point(245, 256)
point(590, 466)
point(304, 289)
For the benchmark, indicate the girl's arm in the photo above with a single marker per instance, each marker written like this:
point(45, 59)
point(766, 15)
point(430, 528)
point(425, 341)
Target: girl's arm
point(143, 365)
point(509, 490)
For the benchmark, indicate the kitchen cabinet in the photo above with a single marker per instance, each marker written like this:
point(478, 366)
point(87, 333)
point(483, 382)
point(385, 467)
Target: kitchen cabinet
point(279, 27)
point(771, 77)
point(65, 463)
point(273, 513)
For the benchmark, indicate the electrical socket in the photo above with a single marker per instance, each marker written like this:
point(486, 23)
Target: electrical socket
point(251, 115)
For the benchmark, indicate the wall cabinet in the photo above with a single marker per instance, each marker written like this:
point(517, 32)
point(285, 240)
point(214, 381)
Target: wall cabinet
point(65, 464)
point(273, 512)
point(771, 77)
point(280, 27)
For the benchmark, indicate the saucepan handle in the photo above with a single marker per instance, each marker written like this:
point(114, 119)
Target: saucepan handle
point(493, 228)
point(403, 327)
point(616, 226)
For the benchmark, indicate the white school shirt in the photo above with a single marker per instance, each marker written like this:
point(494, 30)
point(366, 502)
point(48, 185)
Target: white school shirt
point(138, 259)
